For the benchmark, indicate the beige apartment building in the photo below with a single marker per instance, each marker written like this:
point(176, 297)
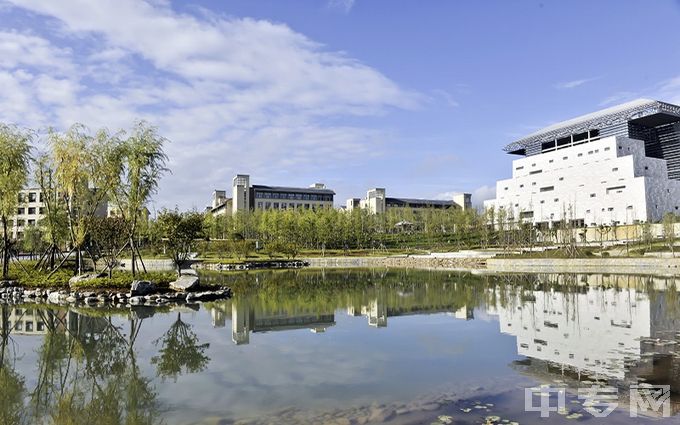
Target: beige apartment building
point(31, 209)
point(377, 202)
point(251, 197)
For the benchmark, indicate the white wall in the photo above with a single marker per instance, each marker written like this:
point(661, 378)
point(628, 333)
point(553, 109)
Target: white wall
point(603, 181)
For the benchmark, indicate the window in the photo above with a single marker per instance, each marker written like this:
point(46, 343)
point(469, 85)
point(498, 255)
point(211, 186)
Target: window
point(646, 167)
point(521, 185)
point(551, 161)
point(535, 171)
point(557, 199)
point(21, 211)
point(607, 148)
point(276, 205)
point(41, 210)
point(547, 188)
point(615, 169)
point(31, 210)
point(580, 154)
point(561, 178)
point(610, 209)
point(519, 168)
point(31, 222)
point(505, 188)
point(592, 195)
point(565, 158)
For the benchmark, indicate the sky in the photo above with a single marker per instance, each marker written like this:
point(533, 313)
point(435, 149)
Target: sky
point(417, 97)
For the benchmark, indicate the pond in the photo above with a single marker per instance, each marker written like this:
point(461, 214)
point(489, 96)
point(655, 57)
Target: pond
point(354, 346)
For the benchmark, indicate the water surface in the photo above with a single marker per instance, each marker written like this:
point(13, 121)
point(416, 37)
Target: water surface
point(345, 346)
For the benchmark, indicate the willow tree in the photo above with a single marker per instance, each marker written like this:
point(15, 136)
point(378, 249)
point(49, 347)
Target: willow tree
point(143, 165)
point(15, 153)
point(54, 224)
point(86, 170)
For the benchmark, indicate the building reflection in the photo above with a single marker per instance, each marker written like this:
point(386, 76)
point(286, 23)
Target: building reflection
point(29, 321)
point(589, 332)
point(246, 318)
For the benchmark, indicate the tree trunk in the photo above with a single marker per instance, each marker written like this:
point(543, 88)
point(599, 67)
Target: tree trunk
point(134, 256)
point(5, 249)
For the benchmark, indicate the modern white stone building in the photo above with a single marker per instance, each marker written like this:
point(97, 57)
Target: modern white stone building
point(620, 165)
point(377, 202)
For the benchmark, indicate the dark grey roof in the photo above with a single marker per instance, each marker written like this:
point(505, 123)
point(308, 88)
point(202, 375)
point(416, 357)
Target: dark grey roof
point(292, 189)
point(413, 201)
point(625, 112)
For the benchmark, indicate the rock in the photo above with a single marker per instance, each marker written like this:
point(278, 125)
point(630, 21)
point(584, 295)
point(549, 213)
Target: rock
point(185, 283)
point(188, 272)
point(71, 299)
point(54, 297)
point(381, 415)
point(91, 300)
point(142, 287)
point(430, 406)
point(83, 278)
point(136, 300)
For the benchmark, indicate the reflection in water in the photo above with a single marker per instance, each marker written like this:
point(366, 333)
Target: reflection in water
point(91, 367)
point(87, 368)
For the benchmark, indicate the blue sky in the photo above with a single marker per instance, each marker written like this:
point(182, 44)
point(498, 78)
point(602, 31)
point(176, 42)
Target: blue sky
point(417, 97)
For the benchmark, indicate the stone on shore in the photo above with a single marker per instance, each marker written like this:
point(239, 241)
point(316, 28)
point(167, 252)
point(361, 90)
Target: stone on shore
point(142, 287)
point(185, 283)
point(83, 278)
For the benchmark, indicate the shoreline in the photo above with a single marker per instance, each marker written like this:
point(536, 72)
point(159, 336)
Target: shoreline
point(479, 264)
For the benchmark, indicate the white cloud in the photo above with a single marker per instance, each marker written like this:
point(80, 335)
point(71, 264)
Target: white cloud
point(446, 97)
point(565, 85)
point(231, 94)
point(619, 97)
point(670, 90)
point(479, 195)
point(343, 5)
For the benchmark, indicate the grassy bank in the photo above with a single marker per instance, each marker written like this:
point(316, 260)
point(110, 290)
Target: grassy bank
point(29, 277)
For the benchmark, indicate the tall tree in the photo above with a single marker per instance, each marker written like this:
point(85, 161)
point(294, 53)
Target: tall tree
point(143, 165)
point(14, 165)
point(179, 232)
point(87, 169)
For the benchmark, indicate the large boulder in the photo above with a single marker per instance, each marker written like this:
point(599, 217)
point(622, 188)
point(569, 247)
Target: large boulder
point(188, 272)
point(142, 287)
point(83, 278)
point(185, 283)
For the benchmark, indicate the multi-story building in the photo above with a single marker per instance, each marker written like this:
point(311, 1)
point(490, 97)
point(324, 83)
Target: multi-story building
point(620, 165)
point(220, 203)
point(377, 202)
point(247, 197)
point(30, 210)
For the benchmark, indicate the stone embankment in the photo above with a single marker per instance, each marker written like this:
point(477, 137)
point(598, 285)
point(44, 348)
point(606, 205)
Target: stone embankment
point(611, 265)
point(488, 262)
point(142, 293)
point(252, 265)
point(416, 261)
